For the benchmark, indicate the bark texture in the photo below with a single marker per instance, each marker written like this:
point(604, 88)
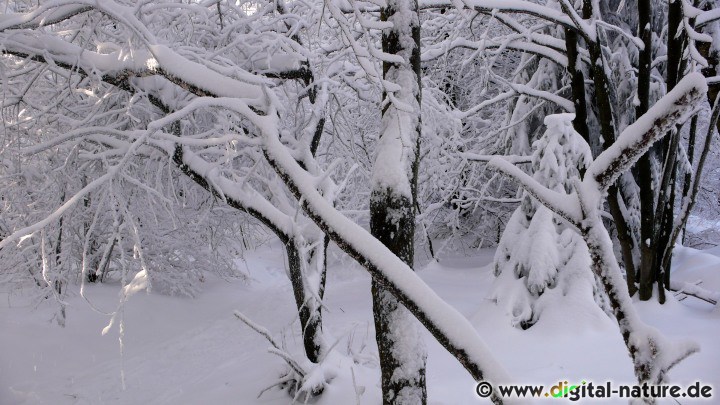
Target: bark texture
point(392, 201)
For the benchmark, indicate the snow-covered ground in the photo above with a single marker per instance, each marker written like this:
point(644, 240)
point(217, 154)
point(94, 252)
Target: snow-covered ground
point(194, 351)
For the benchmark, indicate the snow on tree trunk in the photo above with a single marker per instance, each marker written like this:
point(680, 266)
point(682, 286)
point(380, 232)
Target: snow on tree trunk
point(392, 217)
point(307, 283)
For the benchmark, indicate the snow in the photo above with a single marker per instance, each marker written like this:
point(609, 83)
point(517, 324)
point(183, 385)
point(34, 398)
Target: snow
point(541, 264)
point(566, 206)
point(521, 44)
point(638, 137)
point(400, 119)
point(212, 78)
point(218, 84)
point(391, 166)
point(180, 350)
point(694, 266)
point(707, 17)
point(384, 264)
point(653, 355)
point(42, 15)
point(519, 6)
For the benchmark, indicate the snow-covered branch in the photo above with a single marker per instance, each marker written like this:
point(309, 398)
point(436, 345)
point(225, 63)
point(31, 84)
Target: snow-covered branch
point(447, 325)
point(674, 108)
point(514, 159)
point(507, 6)
point(694, 290)
point(566, 206)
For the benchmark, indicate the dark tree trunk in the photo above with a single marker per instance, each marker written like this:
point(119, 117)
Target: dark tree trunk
point(309, 309)
point(625, 238)
point(580, 125)
point(675, 44)
point(667, 193)
point(666, 197)
point(607, 133)
point(687, 180)
point(91, 276)
point(578, 85)
point(648, 274)
point(665, 214)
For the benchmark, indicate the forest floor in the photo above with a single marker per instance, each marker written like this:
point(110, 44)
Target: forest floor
point(194, 351)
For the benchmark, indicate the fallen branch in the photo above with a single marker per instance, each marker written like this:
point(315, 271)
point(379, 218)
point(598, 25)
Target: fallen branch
point(694, 290)
point(276, 350)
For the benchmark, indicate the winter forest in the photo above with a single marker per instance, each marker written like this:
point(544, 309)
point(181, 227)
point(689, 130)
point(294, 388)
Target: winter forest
point(330, 202)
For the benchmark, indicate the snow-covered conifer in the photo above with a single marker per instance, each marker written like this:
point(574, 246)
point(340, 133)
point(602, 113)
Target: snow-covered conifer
point(540, 261)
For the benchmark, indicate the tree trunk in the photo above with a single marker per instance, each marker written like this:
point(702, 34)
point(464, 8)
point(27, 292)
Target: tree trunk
point(625, 238)
point(648, 274)
point(577, 81)
point(392, 219)
point(307, 301)
point(91, 276)
point(580, 125)
point(688, 175)
point(667, 193)
point(400, 345)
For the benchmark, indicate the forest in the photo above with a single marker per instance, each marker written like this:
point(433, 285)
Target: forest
point(401, 202)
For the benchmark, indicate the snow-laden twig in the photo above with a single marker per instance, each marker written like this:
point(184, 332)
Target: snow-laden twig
point(276, 349)
point(72, 201)
point(564, 205)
